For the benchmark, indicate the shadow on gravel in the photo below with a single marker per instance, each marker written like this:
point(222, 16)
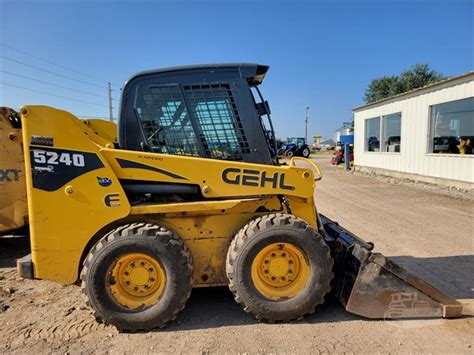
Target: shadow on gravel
point(215, 307)
point(451, 274)
point(12, 248)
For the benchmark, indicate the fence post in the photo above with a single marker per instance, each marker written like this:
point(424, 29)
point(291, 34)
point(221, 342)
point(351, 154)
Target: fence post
point(347, 155)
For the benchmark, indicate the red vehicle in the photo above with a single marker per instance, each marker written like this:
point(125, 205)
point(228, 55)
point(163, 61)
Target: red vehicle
point(338, 156)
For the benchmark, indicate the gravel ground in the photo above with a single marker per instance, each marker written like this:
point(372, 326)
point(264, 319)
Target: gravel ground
point(429, 233)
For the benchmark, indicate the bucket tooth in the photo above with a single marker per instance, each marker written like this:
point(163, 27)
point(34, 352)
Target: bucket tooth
point(370, 285)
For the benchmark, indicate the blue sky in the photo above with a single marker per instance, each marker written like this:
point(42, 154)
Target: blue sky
point(322, 54)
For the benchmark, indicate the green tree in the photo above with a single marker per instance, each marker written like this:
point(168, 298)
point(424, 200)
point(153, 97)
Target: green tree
point(381, 88)
point(417, 76)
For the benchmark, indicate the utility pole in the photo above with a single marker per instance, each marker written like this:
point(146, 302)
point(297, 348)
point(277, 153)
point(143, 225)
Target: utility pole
point(111, 114)
point(306, 119)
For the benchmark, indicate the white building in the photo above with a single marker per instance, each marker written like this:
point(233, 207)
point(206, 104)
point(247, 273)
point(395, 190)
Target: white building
point(344, 130)
point(426, 134)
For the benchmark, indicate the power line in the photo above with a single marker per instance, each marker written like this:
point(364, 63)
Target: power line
point(51, 72)
point(52, 84)
point(50, 62)
point(47, 93)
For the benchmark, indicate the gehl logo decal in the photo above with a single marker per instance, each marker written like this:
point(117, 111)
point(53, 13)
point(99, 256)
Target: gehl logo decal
point(248, 177)
point(112, 200)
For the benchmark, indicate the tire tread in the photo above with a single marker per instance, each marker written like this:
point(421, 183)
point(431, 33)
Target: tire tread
point(247, 232)
point(138, 230)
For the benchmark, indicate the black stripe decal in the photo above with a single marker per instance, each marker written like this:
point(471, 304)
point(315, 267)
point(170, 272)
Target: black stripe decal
point(124, 163)
point(52, 168)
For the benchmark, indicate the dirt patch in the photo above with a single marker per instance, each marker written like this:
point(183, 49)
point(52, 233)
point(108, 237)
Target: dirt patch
point(427, 232)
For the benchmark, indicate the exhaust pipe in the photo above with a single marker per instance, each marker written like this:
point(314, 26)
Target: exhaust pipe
point(370, 285)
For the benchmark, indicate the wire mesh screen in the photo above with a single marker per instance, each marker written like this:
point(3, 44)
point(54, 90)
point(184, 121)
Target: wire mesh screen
point(166, 122)
point(214, 108)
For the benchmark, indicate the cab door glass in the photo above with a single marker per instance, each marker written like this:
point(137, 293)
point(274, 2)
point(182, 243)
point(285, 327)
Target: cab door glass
point(165, 121)
point(218, 120)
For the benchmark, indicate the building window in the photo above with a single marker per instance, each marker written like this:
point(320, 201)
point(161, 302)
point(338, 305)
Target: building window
point(372, 134)
point(391, 132)
point(383, 134)
point(452, 127)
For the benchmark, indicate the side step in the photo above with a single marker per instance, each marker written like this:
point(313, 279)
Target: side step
point(373, 286)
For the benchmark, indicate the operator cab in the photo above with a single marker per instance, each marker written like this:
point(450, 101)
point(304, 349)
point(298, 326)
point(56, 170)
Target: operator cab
point(298, 141)
point(205, 111)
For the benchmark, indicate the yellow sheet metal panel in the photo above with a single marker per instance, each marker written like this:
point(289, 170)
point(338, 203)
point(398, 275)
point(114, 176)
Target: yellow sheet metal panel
point(211, 207)
point(103, 128)
point(216, 178)
point(208, 236)
point(68, 207)
point(303, 208)
point(13, 203)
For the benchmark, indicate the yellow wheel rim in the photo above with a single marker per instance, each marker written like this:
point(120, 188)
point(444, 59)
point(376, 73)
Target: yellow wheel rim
point(136, 281)
point(280, 271)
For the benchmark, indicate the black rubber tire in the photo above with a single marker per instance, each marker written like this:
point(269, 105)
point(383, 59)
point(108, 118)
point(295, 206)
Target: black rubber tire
point(154, 241)
point(305, 152)
point(254, 237)
point(289, 154)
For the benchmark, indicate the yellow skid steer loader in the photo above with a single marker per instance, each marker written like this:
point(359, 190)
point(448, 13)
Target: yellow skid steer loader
point(194, 196)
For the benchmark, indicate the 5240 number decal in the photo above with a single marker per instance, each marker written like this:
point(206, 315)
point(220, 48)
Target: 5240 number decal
point(52, 168)
point(53, 158)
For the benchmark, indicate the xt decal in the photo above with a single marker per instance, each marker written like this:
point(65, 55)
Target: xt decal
point(9, 175)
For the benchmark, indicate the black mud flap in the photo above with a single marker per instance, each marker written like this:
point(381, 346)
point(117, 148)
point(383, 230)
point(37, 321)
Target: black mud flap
point(373, 286)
